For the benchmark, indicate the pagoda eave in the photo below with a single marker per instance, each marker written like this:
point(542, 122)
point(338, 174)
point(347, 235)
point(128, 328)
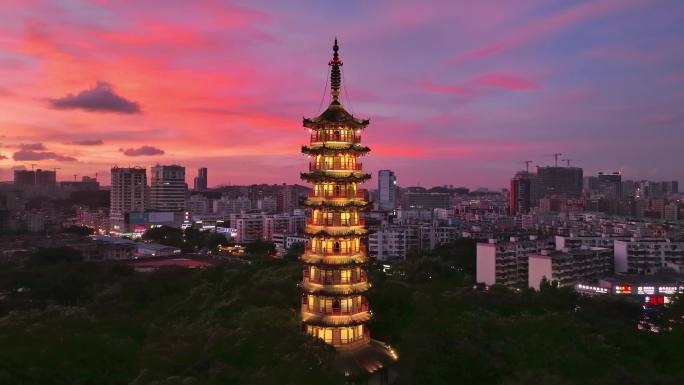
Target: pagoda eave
point(343, 232)
point(316, 124)
point(336, 290)
point(336, 207)
point(319, 176)
point(326, 149)
point(327, 320)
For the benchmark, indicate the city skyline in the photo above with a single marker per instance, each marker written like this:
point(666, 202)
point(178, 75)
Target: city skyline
point(473, 89)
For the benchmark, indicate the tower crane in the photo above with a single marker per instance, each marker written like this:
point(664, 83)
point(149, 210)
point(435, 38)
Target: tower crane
point(555, 156)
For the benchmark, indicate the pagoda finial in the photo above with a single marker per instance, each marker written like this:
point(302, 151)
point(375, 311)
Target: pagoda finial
point(335, 74)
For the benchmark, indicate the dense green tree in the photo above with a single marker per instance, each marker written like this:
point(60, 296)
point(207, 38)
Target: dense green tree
point(165, 235)
point(295, 251)
point(260, 249)
point(188, 240)
point(78, 230)
point(88, 323)
point(52, 255)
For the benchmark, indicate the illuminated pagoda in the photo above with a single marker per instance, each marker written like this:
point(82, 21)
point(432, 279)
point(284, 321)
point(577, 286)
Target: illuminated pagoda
point(334, 307)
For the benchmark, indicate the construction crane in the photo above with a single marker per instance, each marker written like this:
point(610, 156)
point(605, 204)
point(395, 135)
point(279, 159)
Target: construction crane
point(567, 161)
point(527, 164)
point(75, 177)
point(555, 156)
point(33, 166)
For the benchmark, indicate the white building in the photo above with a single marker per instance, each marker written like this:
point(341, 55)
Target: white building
point(394, 243)
point(199, 205)
point(249, 228)
point(227, 206)
point(168, 190)
point(648, 256)
point(387, 190)
point(506, 263)
point(267, 205)
point(433, 236)
point(583, 242)
point(569, 267)
point(128, 193)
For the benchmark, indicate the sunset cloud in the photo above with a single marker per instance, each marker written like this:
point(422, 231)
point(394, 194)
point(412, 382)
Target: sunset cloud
point(87, 142)
point(446, 85)
point(100, 98)
point(142, 151)
point(26, 155)
point(32, 146)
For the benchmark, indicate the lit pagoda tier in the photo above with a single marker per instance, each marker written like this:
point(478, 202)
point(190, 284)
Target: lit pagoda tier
point(334, 307)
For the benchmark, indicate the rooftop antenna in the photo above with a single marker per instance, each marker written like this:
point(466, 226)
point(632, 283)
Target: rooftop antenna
point(527, 164)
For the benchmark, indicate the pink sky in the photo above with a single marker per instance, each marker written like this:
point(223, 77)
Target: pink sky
point(457, 92)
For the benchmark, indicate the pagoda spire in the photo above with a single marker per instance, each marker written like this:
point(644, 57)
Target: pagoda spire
point(335, 73)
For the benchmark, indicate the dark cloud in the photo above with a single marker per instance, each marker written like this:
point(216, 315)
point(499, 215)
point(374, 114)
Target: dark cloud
point(24, 155)
point(3, 156)
point(32, 146)
point(142, 151)
point(101, 98)
point(87, 142)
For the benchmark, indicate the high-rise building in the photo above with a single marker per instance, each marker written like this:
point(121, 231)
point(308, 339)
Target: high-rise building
point(201, 179)
point(334, 307)
point(387, 190)
point(670, 187)
point(24, 177)
point(428, 200)
point(610, 185)
point(128, 193)
point(168, 190)
point(44, 178)
point(560, 181)
point(523, 193)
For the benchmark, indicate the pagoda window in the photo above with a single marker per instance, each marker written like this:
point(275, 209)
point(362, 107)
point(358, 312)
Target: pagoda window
point(345, 276)
point(328, 335)
point(345, 336)
point(336, 307)
point(336, 136)
point(304, 299)
point(347, 305)
point(310, 302)
point(336, 247)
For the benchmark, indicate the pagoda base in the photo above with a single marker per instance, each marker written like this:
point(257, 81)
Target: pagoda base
point(369, 363)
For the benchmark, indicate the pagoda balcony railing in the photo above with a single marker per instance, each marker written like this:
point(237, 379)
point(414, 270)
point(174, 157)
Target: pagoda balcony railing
point(332, 252)
point(336, 166)
point(331, 195)
point(363, 277)
point(358, 222)
point(341, 137)
point(361, 308)
point(363, 339)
